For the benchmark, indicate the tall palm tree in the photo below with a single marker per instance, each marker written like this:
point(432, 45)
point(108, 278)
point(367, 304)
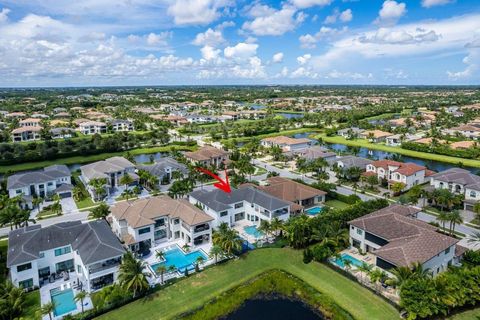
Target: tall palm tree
point(443, 217)
point(364, 268)
point(82, 295)
point(474, 238)
point(160, 255)
point(132, 275)
point(100, 212)
point(98, 185)
point(126, 180)
point(401, 275)
point(162, 269)
point(455, 218)
point(265, 227)
point(276, 225)
point(227, 239)
point(48, 309)
point(216, 251)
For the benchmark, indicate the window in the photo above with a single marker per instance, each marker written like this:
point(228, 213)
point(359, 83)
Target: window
point(160, 234)
point(23, 267)
point(359, 231)
point(144, 230)
point(65, 266)
point(18, 191)
point(159, 223)
point(42, 254)
point(176, 221)
point(62, 251)
point(447, 251)
point(223, 213)
point(473, 194)
point(50, 184)
point(44, 272)
point(238, 205)
point(26, 283)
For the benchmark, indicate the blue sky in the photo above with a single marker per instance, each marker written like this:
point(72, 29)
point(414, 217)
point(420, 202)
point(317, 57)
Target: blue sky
point(166, 42)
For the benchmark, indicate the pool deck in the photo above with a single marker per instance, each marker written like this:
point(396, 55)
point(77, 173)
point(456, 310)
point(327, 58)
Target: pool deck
point(169, 245)
point(45, 295)
point(239, 225)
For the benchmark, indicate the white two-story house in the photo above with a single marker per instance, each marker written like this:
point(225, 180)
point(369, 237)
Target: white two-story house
point(88, 251)
point(247, 203)
point(397, 239)
point(92, 127)
point(142, 223)
point(44, 183)
point(410, 174)
point(122, 125)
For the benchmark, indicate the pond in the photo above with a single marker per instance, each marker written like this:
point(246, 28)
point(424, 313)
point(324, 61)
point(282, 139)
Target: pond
point(257, 107)
point(379, 155)
point(291, 115)
point(278, 309)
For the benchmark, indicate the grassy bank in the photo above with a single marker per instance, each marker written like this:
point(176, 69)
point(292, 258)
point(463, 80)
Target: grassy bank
point(268, 283)
point(88, 159)
point(195, 291)
point(410, 153)
point(274, 134)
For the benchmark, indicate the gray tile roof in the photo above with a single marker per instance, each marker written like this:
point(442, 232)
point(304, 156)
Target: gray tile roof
point(219, 200)
point(100, 169)
point(20, 180)
point(353, 161)
point(93, 240)
point(458, 176)
point(158, 168)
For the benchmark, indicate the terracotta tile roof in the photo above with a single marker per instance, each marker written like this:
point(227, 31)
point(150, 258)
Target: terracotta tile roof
point(465, 127)
point(376, 133)
point(143, 212)
point(26, 129)
point(462, 145)
point(286, 140)
point(409, 240)
point(385, 163)
point(290, 190)
point(406, 169)
point(205, 153)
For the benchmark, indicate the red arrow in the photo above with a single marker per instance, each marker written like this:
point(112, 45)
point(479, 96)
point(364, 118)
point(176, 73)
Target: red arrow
point(223, 185)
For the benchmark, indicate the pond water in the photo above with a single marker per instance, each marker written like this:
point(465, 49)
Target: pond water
point(379, 155)
point(257, 107)
point(291, 115)
point(278, 309)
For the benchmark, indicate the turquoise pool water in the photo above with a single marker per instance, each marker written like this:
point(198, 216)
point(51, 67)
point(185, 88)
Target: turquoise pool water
point(353, 261)
point(253, 231)
point(314, 211)
point(64, 301)
point(180, 260)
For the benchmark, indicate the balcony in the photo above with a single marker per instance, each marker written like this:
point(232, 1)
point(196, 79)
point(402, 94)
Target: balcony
point(201, 228)
point(98, 267)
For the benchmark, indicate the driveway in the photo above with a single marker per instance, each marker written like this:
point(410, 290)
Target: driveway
point(68, 205)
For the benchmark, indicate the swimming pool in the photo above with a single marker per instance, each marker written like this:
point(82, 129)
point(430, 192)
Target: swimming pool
point(314, 211)
point(63, 300)
point(176, 257)
point(346, 257)
point(253, 231)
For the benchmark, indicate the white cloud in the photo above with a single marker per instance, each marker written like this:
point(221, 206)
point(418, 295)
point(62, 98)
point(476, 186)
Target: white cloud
point(309, 41)
point(241, 50)
point(389, 36)
point(210, 37)
point(334, 74)
point(158, 39)
point(472, 62)
point(304, 59)
point(391, 12)
point(4, 15)
point(269, 21)
point(332, 18)
point(304, 72)
point(210, 53)
point(310, 3)
point(346, 16)
point(195, 12)
point(432, 3)
point(277, 57)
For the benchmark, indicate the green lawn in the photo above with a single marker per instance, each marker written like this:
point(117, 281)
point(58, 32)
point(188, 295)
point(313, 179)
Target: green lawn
point(274, 134)
point(193, 292)
point(467, 315)
point(87, 159)
point(44, 214)
point(336, 204)
point(416, 154)
point(85, 203)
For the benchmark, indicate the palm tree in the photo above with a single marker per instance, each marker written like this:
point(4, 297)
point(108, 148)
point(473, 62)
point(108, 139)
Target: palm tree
point(200, 260)
point(265, 227)
point(78, 194)
point(161, 269)
point(132, 275)
point(127, 194)
point(98, 185)
point(82, 295)
point(216, 251)
point(443, 217)
point(160, 255)
point(48, 308)
point(364, 268)
point(401, 275)
point(455, 218)
point(36, 202)
point(100, 212)
point(12, 301)
point(126, 180)
point(276, 225)
point(227, 239)
point(474, 238)
point(375, 276)
point(397, 187)
point(56, 206)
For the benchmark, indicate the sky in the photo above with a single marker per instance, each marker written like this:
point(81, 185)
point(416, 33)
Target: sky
point(211, 42)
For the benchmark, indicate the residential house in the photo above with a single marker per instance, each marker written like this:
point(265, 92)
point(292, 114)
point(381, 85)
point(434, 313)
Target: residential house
point(164, 168)
point(459, 181)
point(466, 130)
point(245, 204)
point(288, 190)
point(231, 115)
point(350, 133)
point(111, 169)
point(26, 134)
point(145, 222)
point(62, 133)
point(92, 127)
point(410, 174)
point(30, 122)
point(287, 144)
point(375, 135)
point(463, 145)
point(122, 125)
point(89, 251)
point(396, 239)
point(55, 179)
point(347, 162)
point(207, 156)
point(316, 152)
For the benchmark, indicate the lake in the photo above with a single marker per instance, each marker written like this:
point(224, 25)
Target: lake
point(291, 115)
point(278, 309)
point(380, 155)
